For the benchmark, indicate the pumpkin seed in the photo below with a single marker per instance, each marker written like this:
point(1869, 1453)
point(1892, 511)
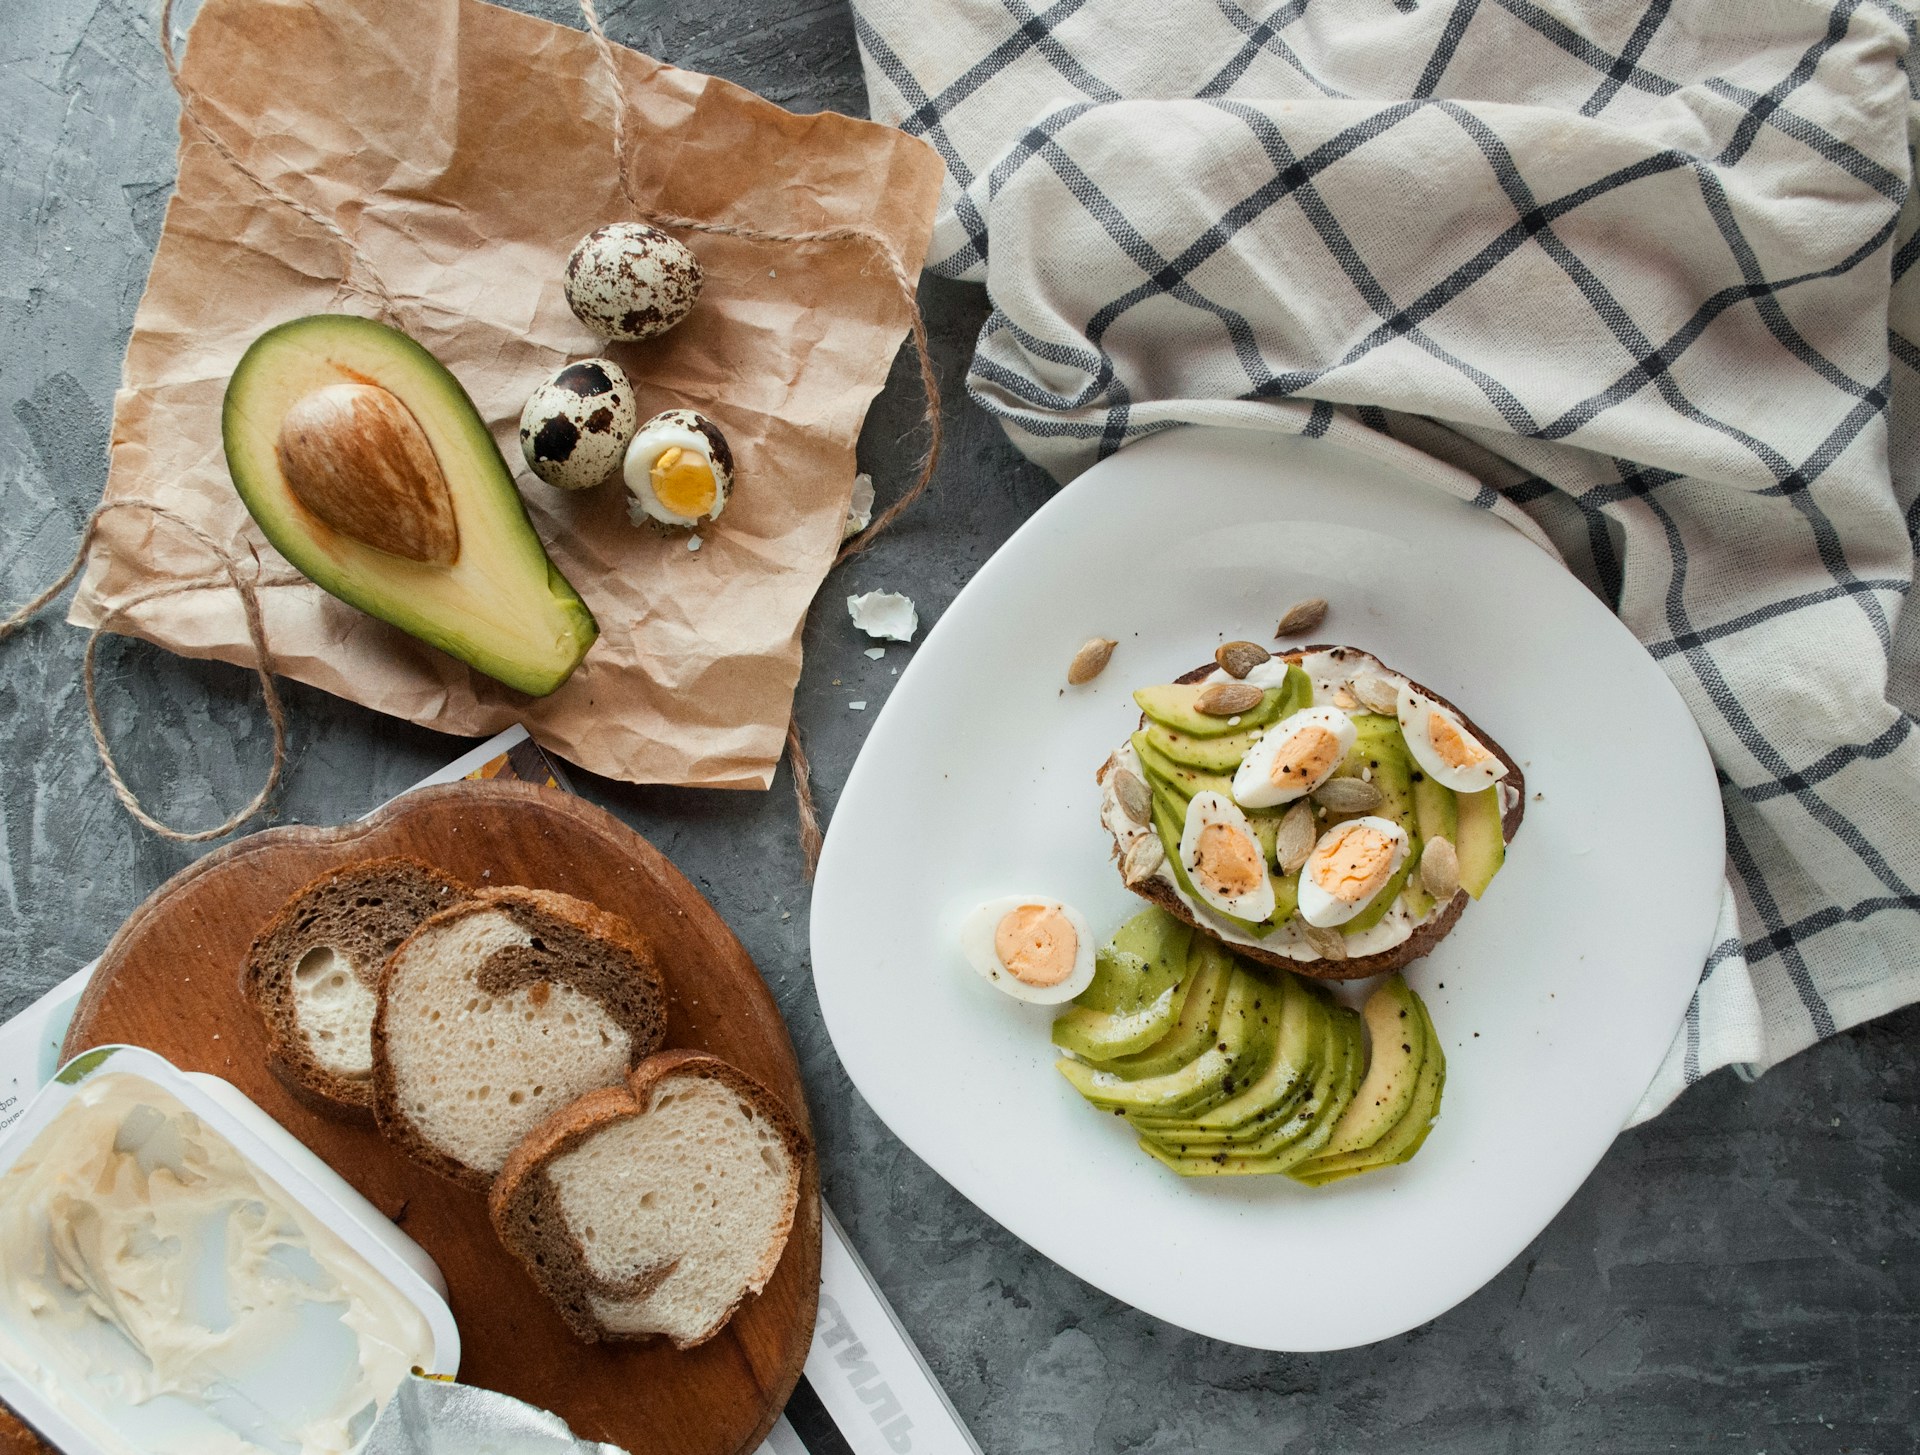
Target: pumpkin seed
point(1090, 661)
point(1301, 617)
point(1440, 869)
point(1136, 799)
point(1142, 859)
point(1349, 795)
point(1294, 839)
point(1226, 699)
point(1237, 659)
point(1376, 694)
point(1331, 944)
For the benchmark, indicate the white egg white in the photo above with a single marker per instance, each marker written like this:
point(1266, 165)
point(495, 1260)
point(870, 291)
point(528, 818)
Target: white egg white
point(1211, 810)
point(978, 932)
point(655, 438)
point(1419, 715)
point(1253, 784)
point(1324, 909)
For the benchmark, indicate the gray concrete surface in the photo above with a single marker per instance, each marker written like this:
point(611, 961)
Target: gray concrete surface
point(1740, 1276)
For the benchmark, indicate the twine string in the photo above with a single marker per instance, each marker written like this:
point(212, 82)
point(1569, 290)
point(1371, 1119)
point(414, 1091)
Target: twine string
point(810, 835)
point(243, 584)
point(375, 288)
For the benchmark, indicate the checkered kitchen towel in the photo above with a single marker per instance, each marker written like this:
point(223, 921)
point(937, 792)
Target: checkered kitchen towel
point(1618, 272)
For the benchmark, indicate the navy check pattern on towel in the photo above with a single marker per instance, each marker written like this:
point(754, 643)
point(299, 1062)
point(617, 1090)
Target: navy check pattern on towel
point(1632, 276)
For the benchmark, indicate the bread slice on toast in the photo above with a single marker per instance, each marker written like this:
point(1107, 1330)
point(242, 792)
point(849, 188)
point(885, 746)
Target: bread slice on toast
point(499, 1012)
point(658, 1206)
point(1284, 950)
point(314, 972)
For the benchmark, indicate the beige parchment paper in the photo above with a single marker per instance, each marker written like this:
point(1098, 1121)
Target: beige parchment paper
point(465, 149)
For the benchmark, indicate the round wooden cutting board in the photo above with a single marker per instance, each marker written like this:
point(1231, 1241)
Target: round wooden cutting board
point(170, 981)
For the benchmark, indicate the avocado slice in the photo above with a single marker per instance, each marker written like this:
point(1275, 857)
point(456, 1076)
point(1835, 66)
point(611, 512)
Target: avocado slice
point(1140, 981)
point(1406, 1135)
point(1245, 1041)
point(1294, 1140)
point(1276, 1095)
point(1397, 1049)
point(380, 438)
point(1185, 781)
point(1435, 810)
point(1172, 705)
point(1209, 755)
point(1199, 1023)
point(1482, 842)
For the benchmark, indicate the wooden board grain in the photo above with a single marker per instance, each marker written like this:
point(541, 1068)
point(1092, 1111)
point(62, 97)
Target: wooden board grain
point(170, 981)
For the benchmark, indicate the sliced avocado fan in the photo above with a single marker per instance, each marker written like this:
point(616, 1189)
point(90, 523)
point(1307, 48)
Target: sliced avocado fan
point(366, 465)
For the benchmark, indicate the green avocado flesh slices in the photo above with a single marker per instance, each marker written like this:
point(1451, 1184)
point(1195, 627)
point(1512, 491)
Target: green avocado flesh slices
point(1260, 1071)
point(1140, 981)
point(480, 587)
point(1482, 845)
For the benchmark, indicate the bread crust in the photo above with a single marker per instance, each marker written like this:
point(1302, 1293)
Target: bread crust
point(644, 1020)
point(275, 954)
point(1361, 967)
point(525, 1211)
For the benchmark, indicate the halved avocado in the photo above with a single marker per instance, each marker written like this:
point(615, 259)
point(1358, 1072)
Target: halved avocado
point(477, 585)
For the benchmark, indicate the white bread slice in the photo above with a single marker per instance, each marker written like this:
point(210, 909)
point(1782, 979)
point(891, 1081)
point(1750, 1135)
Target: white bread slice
point(655, 1207)
point(313, 972)
point(498, 1013)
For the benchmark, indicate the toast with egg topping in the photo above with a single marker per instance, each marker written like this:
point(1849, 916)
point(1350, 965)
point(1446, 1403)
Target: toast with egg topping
point(498, 1012)
point(1340, 889)
point(313, 974)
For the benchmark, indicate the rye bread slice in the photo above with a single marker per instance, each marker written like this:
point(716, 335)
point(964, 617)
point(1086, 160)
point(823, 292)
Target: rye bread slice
point(500, 1011)
point(313, 974)
point(690, 1173)
point(1429, 933)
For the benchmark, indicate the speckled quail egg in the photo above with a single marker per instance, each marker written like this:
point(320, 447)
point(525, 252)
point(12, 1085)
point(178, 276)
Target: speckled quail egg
point(1440, 743)
point(679, 471)
point(631, 281)
point(1294, 757)
point(1034, 948)
point(1223, 858)
point(1350, 865)
point(576, 427)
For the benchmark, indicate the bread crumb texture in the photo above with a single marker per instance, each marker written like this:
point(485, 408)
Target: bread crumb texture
point(474, 1072)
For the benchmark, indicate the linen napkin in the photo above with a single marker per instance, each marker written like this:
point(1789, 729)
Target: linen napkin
point(1632, 276)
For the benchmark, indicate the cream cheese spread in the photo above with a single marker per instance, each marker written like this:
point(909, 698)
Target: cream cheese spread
point(1332, 673)
point(166, 1297)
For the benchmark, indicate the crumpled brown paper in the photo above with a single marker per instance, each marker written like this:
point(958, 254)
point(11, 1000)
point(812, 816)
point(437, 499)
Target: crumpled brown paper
point(465, 149)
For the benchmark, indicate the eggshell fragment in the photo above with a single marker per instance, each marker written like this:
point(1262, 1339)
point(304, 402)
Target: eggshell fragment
point(887, 615)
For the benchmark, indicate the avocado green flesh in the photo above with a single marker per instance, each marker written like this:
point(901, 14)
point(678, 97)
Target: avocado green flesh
point(1140, 983)
point(1209, 755)
point(1481, 844)
point(1434, 809)
point(501, 606)
point(1172, 705)
point(1409, 1130)
point(1264, 1072)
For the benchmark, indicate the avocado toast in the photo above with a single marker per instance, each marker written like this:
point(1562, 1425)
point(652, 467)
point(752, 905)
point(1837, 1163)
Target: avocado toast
point(1202, 791)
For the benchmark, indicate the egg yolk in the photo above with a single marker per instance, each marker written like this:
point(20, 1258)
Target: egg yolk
point(1456, 748)
point(683, 482)
point(1353, 863)
point(1036, 944)
point(1228, 861)
point(1306, 757)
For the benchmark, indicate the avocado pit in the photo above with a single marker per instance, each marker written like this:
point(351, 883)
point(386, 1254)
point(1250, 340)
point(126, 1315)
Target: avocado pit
point(355, 456)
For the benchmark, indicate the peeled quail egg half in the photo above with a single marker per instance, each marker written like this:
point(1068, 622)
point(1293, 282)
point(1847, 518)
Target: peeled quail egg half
point(1440, 743)
point(576, 427)
point(1294, 757)
point(1034, 948)
point(1350, 864)
point(1223, 858)
point(679, 471)
point(631, 281)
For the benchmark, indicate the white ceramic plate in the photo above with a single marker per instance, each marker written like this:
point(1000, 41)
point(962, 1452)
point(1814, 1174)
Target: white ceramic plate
point(1556, 997)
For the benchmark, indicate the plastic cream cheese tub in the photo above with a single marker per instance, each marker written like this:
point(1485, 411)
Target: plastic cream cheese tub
point(180, 1276)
